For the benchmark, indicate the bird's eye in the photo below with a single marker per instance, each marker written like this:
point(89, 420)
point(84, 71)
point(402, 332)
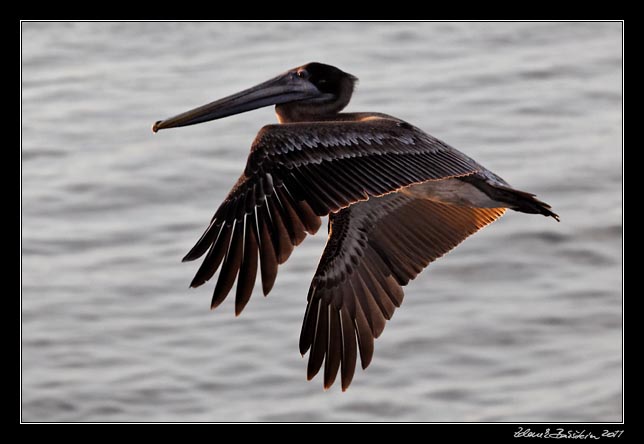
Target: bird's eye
point(303, 74)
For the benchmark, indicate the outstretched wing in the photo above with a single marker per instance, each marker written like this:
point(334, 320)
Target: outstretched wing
point(298, 172)
point(374, 248)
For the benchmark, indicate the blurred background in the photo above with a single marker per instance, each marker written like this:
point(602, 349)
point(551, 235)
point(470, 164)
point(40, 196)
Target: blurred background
point(522, 322)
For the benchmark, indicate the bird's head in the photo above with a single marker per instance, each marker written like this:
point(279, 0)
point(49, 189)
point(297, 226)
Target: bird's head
point(300, 94)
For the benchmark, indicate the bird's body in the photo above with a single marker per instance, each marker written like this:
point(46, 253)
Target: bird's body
point(397, 199)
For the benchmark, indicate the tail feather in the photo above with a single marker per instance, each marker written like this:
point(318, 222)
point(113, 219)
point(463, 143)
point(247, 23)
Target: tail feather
point(528, 203)
point(514, 199)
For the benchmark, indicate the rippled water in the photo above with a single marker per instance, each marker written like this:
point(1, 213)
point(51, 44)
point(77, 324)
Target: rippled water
point(522, 322)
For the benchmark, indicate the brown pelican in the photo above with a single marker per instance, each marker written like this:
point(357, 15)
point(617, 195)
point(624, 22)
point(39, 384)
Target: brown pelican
point(397, 199)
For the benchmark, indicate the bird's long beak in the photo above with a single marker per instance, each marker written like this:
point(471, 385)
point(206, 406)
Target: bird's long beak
point(282, 89)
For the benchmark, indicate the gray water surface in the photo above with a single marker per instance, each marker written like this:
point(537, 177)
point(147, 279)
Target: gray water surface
point(522, 322)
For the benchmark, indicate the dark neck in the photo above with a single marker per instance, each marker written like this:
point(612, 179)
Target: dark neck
point(317, 109)
point(295, 112)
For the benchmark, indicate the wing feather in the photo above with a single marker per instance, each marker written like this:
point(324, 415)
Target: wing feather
point(297, 173)
point(374, 248)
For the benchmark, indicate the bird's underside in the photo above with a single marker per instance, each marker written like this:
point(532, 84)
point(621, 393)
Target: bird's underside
point(397, 199)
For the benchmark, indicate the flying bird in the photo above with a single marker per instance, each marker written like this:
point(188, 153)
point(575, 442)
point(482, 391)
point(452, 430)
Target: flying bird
point(397, 199)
